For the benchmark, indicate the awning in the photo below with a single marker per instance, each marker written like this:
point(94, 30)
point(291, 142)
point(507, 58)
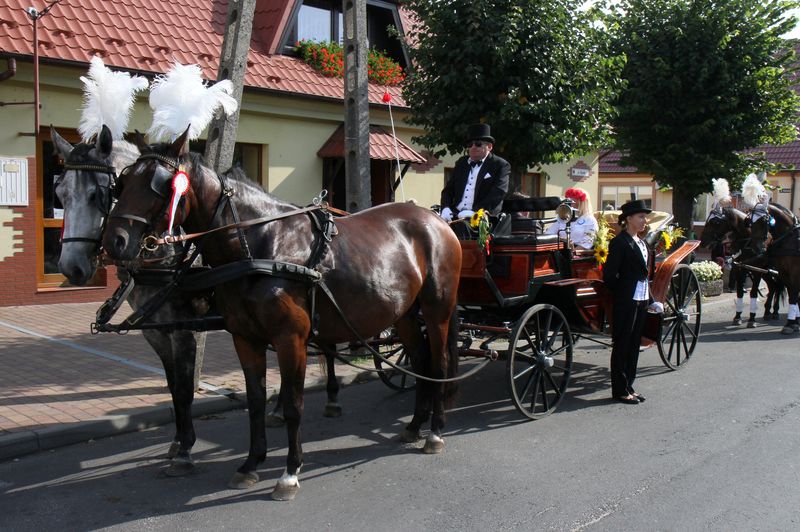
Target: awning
point(381, 147)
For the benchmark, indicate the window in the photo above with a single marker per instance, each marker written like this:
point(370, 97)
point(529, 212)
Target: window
point(322, 20)
point(613, 197)
point(531, 185)
point(702, 204)
point(245, 156)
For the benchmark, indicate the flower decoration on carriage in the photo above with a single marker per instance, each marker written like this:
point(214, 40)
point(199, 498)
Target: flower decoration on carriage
point(181, 99)
point(668, 237)
point(108, 99)
point(601, 239)
point(480, 221)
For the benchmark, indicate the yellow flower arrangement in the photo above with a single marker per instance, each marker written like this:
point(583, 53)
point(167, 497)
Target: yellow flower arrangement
point(480, 220)
point(669, 236)
point(601, 239)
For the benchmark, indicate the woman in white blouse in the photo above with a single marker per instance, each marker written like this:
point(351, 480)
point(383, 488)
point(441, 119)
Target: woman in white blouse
point(582, 230)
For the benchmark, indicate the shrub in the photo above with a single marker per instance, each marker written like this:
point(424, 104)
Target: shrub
point(706, 270)
point(327, 58)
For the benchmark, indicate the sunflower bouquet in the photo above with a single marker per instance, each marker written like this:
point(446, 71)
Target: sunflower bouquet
point(480, 221)
point(668, 238)
point(601, 239)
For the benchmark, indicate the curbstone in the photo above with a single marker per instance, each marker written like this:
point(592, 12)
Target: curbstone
point(18, 444)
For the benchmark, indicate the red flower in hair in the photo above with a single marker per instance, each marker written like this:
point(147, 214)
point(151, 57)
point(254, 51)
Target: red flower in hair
point(575, 194)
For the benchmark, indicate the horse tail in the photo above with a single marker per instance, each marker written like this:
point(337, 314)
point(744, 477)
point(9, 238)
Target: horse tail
point(451, 388)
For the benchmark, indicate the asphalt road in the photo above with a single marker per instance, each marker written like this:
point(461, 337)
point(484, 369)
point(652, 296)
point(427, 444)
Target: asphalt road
point(715, 447)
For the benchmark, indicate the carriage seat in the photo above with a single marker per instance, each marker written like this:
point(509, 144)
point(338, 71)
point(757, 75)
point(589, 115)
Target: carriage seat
point(528, 239)
point(527, 213)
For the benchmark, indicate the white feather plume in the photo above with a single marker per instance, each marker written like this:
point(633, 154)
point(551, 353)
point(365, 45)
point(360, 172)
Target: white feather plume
point(752, 191)
point(180, 98)
point(722, 191)
point(108, 98)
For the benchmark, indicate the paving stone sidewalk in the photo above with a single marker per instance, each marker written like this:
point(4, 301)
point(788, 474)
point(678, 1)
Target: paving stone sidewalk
point(59, 384)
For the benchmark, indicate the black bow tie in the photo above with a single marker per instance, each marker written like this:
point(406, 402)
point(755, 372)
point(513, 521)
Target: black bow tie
point(473, 164)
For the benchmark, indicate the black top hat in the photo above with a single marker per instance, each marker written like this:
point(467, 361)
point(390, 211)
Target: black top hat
point(632, 207)
point(481, 132)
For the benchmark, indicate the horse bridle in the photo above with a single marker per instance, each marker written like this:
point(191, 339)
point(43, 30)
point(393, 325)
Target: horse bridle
point(103, 196)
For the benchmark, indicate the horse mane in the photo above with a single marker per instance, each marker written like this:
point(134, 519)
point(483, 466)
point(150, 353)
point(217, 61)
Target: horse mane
point(791, 218)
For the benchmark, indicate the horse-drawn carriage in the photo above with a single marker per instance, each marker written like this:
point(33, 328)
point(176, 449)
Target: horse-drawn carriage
point(533, 296)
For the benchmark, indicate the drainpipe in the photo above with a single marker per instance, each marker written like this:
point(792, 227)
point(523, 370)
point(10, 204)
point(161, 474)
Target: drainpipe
point(794, 187)
point(11, 69)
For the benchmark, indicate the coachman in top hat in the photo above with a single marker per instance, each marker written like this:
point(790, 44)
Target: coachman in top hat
point(479, 179)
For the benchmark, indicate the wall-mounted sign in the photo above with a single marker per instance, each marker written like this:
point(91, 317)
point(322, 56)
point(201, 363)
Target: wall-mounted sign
point(785, 190)
point(13, 182)
point(580, 171)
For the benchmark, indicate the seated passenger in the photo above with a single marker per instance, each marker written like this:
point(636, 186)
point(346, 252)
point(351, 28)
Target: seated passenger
point(582, 230)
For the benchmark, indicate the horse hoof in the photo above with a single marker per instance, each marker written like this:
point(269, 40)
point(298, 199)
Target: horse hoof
point(751, 325)
point(333, 410)
point(737, 321)
point(243, 481)
point(180, 468)
point(284, 493)
point(174, 449)
point(433, 445)
point(789, 329)
point(409, 436)
point(273, 420)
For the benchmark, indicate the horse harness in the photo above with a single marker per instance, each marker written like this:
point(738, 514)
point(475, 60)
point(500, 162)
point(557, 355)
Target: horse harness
point(103, 195)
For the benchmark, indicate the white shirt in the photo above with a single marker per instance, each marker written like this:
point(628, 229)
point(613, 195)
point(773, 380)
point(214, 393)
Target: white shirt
point(581, 231)
point(469, 191)
point(642, 292)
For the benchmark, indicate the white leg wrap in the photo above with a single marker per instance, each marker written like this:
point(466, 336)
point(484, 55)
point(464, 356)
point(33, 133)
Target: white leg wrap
point(753, 305)
point(288, 480)
point(434, 438)
point(793, 313)
point(739, 304)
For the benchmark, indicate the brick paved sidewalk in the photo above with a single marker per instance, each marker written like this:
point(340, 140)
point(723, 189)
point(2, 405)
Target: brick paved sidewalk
point(59, 384)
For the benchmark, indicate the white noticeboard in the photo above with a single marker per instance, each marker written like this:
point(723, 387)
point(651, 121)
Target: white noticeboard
point(13, 182)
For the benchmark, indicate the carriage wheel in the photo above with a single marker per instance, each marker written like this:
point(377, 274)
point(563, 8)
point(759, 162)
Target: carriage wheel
point(391, 377)
point(681, 325)
point(539, 361)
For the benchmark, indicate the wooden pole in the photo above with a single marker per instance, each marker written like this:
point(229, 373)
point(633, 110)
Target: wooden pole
point(356, 106)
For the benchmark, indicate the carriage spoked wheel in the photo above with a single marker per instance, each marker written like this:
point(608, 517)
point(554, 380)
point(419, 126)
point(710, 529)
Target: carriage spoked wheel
point(394, 379)
point(680, 327)
point(539, 361)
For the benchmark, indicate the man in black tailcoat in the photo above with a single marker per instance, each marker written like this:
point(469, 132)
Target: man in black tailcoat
point(479, 179)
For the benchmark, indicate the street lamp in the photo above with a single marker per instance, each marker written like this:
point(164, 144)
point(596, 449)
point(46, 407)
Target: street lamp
point(34, 14)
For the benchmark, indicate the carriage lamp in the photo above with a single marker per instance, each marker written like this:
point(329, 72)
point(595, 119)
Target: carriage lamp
point(566, 212)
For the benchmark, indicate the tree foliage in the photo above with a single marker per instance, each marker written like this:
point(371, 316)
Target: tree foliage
point(539, 71)
point(705, 81)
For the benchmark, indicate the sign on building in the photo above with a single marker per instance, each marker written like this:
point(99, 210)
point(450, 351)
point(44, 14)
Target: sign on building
point(13, 182)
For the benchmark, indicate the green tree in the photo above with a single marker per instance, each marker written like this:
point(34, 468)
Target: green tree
point(705, 80)
point(539, 71)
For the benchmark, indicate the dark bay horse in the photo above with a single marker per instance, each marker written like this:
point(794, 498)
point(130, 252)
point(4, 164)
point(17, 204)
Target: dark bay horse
point(775, 236)
point(730, 225)
point(84, 191)
point(386, 266)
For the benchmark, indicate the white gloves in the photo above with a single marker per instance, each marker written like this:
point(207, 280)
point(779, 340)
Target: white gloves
point(466, 214)
point(447, 214)
point(656, 307)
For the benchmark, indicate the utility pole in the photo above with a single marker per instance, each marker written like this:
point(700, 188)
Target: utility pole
point(222, 131)
point(232, 66)
point(356, 106)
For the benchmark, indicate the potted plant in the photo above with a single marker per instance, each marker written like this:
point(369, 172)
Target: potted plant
point(709, 275)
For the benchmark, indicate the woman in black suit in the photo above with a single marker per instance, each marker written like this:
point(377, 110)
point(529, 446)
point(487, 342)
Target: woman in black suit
point(625, 273)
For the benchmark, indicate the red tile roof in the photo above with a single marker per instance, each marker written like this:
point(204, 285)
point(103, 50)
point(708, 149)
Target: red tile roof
point(148, 35)
point(381, 146)
point(609, 163)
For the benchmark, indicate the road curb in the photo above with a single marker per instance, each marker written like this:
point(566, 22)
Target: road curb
point(26, 442)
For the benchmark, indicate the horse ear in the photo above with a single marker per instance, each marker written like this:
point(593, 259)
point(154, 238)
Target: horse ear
point(64, 148)
point(104, 143)
point(138, 139)
point(181, 144)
